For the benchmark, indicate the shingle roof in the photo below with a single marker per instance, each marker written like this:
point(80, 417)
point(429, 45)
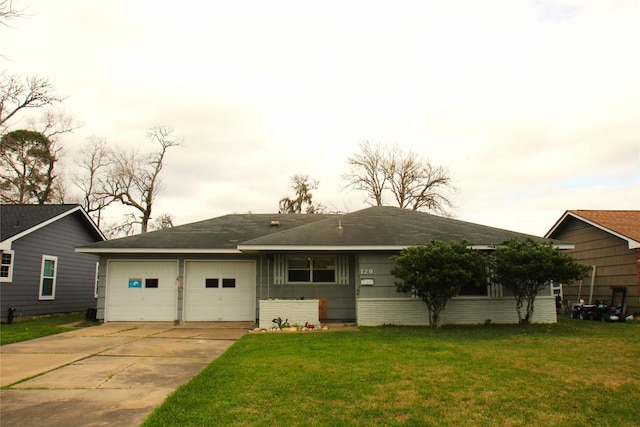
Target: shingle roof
point(626, 223)
point(377, 227)
point(15, 219)
point(385, 226)
point(221, 233)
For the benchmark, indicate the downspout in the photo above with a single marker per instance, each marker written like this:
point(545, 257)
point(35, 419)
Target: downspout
point(260, 275)
point(579, 290)
point(593, 281)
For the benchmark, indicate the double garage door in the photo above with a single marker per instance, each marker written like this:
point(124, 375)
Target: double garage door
point(148, 291)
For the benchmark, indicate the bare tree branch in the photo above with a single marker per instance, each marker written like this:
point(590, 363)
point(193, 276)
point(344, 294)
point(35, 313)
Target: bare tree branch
point(94, 161)
point(7, 12)
point(16, 95)
point(54, 123)
point(414, 183)
point(134, 179)
point(366, 172)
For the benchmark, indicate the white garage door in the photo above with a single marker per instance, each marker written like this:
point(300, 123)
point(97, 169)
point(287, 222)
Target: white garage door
point(220, 291)
point(141, 290)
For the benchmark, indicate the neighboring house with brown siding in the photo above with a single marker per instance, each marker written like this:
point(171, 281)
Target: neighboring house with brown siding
point(609, 241)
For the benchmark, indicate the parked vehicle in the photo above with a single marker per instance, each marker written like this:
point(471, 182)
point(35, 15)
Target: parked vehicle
point(600, 312)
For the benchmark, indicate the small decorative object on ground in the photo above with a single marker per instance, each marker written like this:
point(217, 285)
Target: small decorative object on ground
point(279, 324)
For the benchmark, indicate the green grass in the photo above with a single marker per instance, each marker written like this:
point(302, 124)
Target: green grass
point(573, 373)
point(40, 327)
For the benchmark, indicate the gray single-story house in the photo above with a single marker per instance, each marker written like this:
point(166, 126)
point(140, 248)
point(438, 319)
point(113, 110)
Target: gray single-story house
point(232, 267)
point(41, 273)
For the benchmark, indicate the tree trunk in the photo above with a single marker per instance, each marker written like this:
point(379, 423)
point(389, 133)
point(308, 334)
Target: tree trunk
point(519, 304)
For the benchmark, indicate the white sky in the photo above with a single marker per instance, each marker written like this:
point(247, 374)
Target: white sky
point(534, 106)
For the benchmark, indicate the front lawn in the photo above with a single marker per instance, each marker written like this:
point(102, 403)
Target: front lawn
point(28, 329)
point(573, 373)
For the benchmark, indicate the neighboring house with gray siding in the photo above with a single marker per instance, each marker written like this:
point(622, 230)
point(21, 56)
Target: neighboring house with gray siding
point(609, 241)
point(40, 272)
point(221, 269)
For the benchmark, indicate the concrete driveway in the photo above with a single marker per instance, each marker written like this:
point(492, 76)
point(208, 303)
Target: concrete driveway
point(112, 374)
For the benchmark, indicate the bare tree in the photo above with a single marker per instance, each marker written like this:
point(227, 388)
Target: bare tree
point(366, 172)
point(93, 163)
point(123, 227)
point(7, 12)
point(162, 222)
point(412, 181)
point(134, 179)
point(16, 95)
point(54, 123)
point(303, 200)
point(415, 182)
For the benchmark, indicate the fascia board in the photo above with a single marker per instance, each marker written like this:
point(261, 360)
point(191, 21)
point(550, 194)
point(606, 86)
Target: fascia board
point(92, 222)
point(50, 221)
point(289, 248)
point(561, 246)
point(155, 251)
point(557, 224)
point(633, 244)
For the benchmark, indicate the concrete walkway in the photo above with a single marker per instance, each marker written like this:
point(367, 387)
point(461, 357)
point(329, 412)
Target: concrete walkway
point(114, 374)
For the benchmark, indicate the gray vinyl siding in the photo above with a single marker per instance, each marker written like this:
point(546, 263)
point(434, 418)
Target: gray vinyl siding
point(380, 303)
point(341, 299)
point(75, 273)
point(377, 267)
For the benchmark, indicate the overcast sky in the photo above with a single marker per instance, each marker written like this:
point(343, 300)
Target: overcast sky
point(533, 106)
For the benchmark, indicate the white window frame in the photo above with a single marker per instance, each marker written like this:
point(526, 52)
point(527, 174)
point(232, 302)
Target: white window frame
point(97, 281)
point(9, 277)
point(46, 258)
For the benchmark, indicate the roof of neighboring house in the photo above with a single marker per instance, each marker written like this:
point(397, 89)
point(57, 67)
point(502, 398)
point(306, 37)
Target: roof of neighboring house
point(19, 220)
point(622, 223)
point(375, 228)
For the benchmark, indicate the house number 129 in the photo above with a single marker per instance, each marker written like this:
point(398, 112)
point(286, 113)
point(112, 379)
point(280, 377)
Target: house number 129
point(366, 271)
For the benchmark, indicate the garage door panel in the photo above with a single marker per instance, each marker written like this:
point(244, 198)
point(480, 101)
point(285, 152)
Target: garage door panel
point(126, 303)
point(220, 303)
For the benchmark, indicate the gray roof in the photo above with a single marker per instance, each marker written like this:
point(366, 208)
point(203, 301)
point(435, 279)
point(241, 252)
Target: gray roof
point(17, 219)
point(371, 229)
point(221, 233)
point(385, 226)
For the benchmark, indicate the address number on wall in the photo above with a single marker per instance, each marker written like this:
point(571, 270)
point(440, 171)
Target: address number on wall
point(366, 271)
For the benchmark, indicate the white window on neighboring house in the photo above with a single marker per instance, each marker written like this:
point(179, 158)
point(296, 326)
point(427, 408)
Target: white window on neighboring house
point(48, 277)
point(97, 282)
point(6, 266)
